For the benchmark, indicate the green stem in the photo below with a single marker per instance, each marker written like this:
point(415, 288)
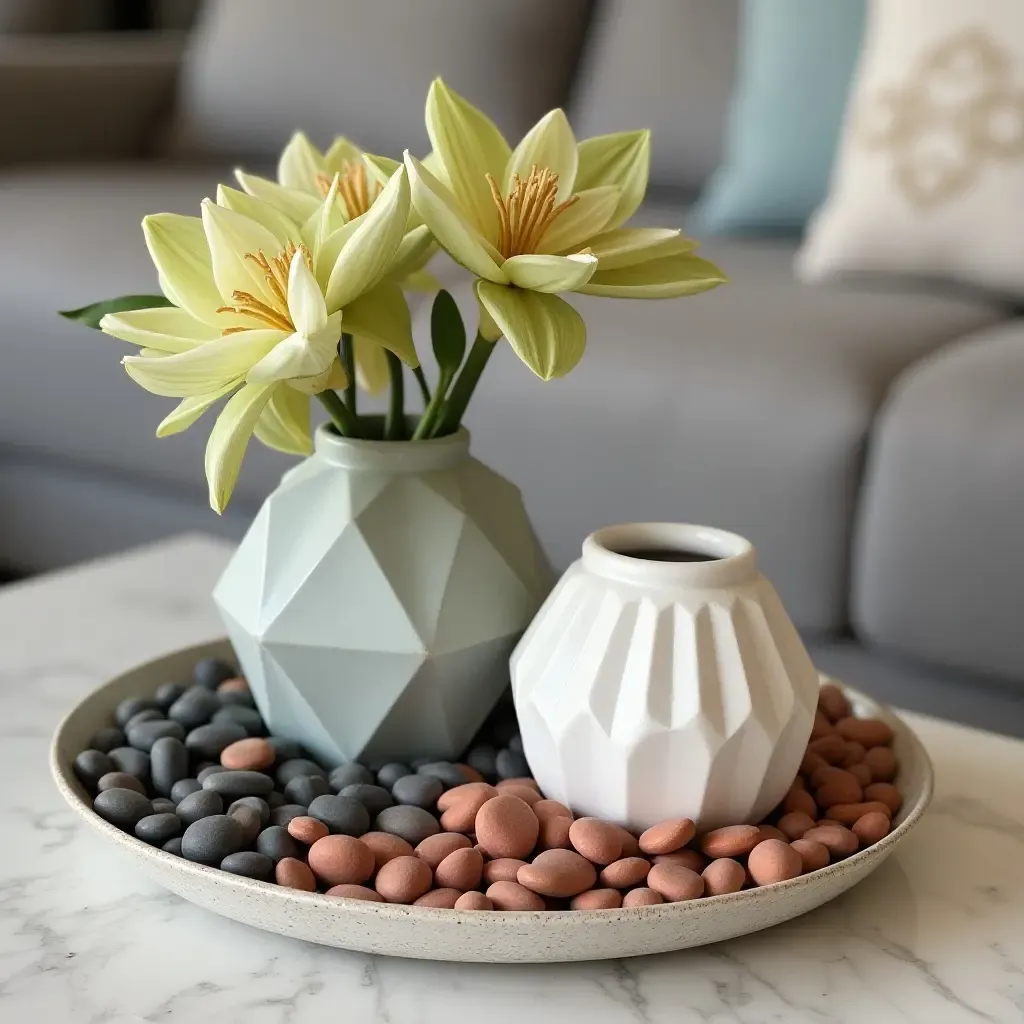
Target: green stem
point(465, 385)
point(394, 423)
point(421, 379)
point(348, 360)
point(433, 409)
point(343, 420)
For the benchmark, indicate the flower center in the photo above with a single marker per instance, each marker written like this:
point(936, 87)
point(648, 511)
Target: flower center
point(273, 313)
point(354, 189)
point(528, 210)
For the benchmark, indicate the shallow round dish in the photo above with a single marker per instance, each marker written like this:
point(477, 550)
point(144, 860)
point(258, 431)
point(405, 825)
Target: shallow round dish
point(458, 935)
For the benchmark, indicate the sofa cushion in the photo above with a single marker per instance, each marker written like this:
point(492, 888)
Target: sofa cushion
point(260, 69)
point(940, 561)
point(665, 65)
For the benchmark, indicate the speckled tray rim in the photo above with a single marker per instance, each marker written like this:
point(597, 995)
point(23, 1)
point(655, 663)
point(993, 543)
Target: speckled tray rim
point(552, 928)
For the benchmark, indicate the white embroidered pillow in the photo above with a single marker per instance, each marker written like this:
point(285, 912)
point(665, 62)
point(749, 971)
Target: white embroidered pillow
point(929, 179)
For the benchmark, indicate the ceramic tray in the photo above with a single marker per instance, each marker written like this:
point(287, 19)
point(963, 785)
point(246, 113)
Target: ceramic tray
point(458, 935)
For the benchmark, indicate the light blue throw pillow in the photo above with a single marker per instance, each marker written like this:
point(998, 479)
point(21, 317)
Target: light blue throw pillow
point(796, 61)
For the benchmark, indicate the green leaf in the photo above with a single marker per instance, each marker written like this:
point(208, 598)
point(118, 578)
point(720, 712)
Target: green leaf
point(92, 315)
point(447, 334)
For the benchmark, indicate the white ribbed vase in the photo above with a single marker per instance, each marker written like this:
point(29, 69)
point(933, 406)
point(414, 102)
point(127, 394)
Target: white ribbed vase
point(650, 689)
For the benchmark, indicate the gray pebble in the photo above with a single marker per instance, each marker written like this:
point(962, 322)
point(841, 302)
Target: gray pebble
point(149, 715)
point(413, 824)
point(122, 807)
point(168, 762)
point(134, 762)
point(286, 750)
point(449, 774)
point(211, 672)
point(373, 798)
point(249, 819)
point(130, 707)
point(241, 698)
point(276, 799)
point(232, 785)
point(209, 840)
point(120, 780)
point(207, 741)
point(145, 734)
point(168, 693)
point(349, 775)
point(108, 738)
point(183, 787)
point(418, 762)
point(195, 707)
point(199, 805)
point(388, 774)
point(304, 789)
point(296, 767)
point(283, 814)
point(237, 714)
point(156, 829)
point(162, 805)
point(203, 772)
point(91, 765)
point(275, 843)
point(173, 846)
point(249, 864)
point(516, 743)
point(482, 758)
point(341, 814)
point(259, 805)
point(511, 764)
point(417, 791)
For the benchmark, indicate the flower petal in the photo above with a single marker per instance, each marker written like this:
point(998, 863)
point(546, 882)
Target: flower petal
point(666, 278)
point(456, 235)
point(299, 206)
point(202, 369)
point(299, 357)
point(625, 247)
point(420, 281)
point(543, 330)
point(333, 378)
point(367, 255)
point(542, 273)
point(371, 365)
point(576, 225)
point(549, 143)
point(342, 152)
point(229, 439)
point(622, 159)
point(382, 316)
point(283, 228)
point(470, 146)
point(416, 247)
point(232, 236)
point(181, 253)
point(284, 423)
point(300, 163)
point(166, 328)
point(305, 300)
point(188, 410)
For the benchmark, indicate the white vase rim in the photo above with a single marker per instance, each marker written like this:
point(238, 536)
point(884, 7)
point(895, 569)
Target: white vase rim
point(733, 559)
point(391, 456)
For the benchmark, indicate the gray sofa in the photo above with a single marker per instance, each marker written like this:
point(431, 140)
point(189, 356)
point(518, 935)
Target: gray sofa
point(868, 438)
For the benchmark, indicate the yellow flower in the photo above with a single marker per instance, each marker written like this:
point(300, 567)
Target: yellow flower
point(259, 307)
point(545, 218)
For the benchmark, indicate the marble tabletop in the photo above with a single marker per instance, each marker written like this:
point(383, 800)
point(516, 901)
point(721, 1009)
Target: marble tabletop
point(935, 935)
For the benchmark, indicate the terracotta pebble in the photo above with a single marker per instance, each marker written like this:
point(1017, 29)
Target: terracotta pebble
point(385, 847)
point(513, 896)
point(294, 874)
point(597, 899)
point(451, 797)
point(871, 827)
point(800, 800)
point(854, 755)
point(871, 732)
point(439, 899)
point(833, 702)
point(560, 874)
point(519, 780)
point(599, 841)
point(547, 809)
point(504, 869)
point(884, 793)
point(821, 726)
point(883, 764)
point(235, 685)
point(667, 836)
point(692, 859)
point(730, 841)
point(554, 834)
point(839, 840)
point(774, 860)
point(723, 876)
point(829, 748)
point(355, 892)
point(642, 897)
point(461, 869)
point(469, 772)
point(473, 901)
point(248, 755)
point(675, 883)
point(810, 762)
point(630, 843)
point(771, 832)
point(625, 873)
point(403, 880)
point(434, 849)
point(340, 860)
point(506, 827)
point(862, 773)
point(814, 855)
point(306, 829)
point(847, 814)
point(527, 794)
point(826, 773)
point(839, 791)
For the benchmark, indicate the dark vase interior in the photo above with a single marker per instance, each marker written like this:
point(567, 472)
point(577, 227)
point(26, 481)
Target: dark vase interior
point(669, 555)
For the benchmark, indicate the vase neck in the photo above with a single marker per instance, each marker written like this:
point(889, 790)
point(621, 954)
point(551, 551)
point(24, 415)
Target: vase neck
point(670, 555)
point(391, 456)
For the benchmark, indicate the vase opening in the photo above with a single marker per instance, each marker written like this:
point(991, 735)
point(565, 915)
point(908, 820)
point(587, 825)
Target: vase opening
point(667, 555)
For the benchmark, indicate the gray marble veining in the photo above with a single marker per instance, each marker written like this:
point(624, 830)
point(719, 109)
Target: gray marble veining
point(936, 935)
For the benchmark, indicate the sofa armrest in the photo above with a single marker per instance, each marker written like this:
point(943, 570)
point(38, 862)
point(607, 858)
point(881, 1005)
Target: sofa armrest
point(85, 96)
